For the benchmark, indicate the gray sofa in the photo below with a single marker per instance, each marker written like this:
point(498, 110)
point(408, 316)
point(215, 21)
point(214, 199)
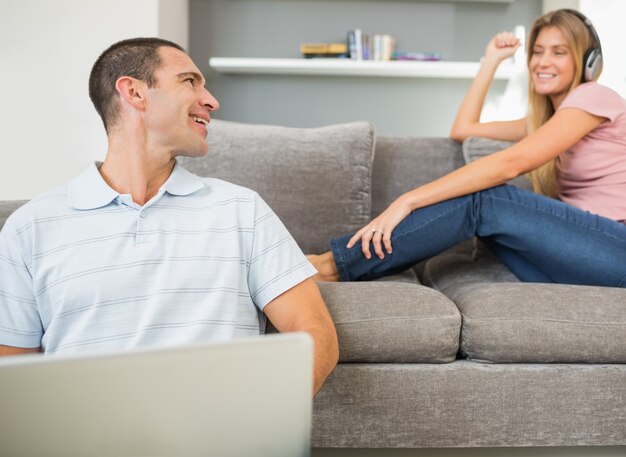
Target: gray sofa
point(455, 352)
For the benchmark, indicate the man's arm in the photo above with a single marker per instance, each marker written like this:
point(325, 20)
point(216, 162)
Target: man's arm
point(21, 329)
point(302, 308)
point(10, 350)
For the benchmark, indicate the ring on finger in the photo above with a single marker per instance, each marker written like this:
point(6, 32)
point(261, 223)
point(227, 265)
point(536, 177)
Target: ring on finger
point(377, 231)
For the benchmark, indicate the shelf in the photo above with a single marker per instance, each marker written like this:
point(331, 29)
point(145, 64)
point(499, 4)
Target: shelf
point(347, 67)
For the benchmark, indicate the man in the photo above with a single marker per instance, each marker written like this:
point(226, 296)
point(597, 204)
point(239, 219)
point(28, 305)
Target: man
point(137, 251)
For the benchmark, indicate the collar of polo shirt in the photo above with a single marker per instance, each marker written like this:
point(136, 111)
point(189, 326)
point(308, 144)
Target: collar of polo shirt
point(90, 191)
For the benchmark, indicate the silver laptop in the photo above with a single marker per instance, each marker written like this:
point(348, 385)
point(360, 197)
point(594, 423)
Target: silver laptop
point(249, 397)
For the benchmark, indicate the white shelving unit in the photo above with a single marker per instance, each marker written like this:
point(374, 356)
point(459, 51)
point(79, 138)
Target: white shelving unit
point(347, 67)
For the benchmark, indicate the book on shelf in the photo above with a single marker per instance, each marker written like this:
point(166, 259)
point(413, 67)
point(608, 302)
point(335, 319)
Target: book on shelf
point(355, 44)
point(337, 50)
point(417, 56)
point(383, 47)
point(363, 46)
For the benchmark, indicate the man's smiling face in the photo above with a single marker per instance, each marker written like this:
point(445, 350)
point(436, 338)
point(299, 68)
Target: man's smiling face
point(178, 107)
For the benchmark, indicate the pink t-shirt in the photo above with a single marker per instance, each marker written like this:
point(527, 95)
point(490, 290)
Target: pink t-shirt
point(592, 174)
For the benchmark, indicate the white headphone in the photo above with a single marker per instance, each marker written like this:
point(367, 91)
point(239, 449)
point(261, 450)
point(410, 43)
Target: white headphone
point(592, 60)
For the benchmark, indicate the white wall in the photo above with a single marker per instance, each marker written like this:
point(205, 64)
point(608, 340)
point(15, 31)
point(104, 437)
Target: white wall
point(608, 17)
point(174, 21)
point(551, 5)
point(49, 131)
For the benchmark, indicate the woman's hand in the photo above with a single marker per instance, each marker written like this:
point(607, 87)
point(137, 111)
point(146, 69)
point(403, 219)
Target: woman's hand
point(501, 46)
point(379, 230)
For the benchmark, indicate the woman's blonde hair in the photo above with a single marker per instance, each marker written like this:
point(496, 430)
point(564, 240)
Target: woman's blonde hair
point(579, 39)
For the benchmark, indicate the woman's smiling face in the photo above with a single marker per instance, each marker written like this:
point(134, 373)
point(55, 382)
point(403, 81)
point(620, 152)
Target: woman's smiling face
point(552, 65)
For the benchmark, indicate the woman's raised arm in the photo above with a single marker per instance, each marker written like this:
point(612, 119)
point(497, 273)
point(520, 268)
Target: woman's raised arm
point(467, 122)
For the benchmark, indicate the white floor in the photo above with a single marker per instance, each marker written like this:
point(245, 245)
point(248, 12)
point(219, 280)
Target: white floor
point(609, 451)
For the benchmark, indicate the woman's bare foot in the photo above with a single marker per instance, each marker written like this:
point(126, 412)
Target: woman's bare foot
point(325, 265)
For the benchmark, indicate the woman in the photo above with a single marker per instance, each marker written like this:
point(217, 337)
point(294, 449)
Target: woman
point(572, 144)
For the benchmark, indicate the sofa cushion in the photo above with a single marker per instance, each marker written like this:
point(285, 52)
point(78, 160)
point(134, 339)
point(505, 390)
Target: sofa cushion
point(317, 180)
point(392, 322)
point(477, 147)
point(505, 320)
point(544, 323)
point(407, 276)
point(470, 262)
point(7, 207)
point(404, 163)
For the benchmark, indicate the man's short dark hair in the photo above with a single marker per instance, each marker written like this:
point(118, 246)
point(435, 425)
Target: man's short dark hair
point(135, 57)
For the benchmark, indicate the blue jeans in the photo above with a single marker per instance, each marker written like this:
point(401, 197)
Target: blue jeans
point(538, 238)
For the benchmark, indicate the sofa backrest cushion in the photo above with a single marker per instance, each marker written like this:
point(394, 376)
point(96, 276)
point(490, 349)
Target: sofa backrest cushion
point(317, 180)
point(7, 207)
point(404, 163)
point(477, 147)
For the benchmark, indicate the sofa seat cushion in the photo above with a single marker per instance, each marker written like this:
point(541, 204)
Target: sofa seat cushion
point(505, 320)
point(543, 323)
point(317, 180)
point(392, 322)
point(467, 263)
point(407, 276)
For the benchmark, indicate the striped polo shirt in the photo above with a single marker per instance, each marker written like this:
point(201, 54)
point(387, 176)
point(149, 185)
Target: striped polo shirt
point(84, 268)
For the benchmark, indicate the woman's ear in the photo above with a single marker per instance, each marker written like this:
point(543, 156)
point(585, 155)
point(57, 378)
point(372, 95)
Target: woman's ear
point(131, 92)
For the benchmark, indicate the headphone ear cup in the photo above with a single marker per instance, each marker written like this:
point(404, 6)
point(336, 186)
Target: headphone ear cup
point(592, 65)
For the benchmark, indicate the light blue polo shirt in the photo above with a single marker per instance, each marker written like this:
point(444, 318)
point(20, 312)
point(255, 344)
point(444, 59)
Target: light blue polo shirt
point(84, 268)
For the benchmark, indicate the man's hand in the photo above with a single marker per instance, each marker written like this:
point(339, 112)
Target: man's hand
point(302, 308)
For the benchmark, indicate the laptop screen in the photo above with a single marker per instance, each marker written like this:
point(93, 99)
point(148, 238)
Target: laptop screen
point(248, 397)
